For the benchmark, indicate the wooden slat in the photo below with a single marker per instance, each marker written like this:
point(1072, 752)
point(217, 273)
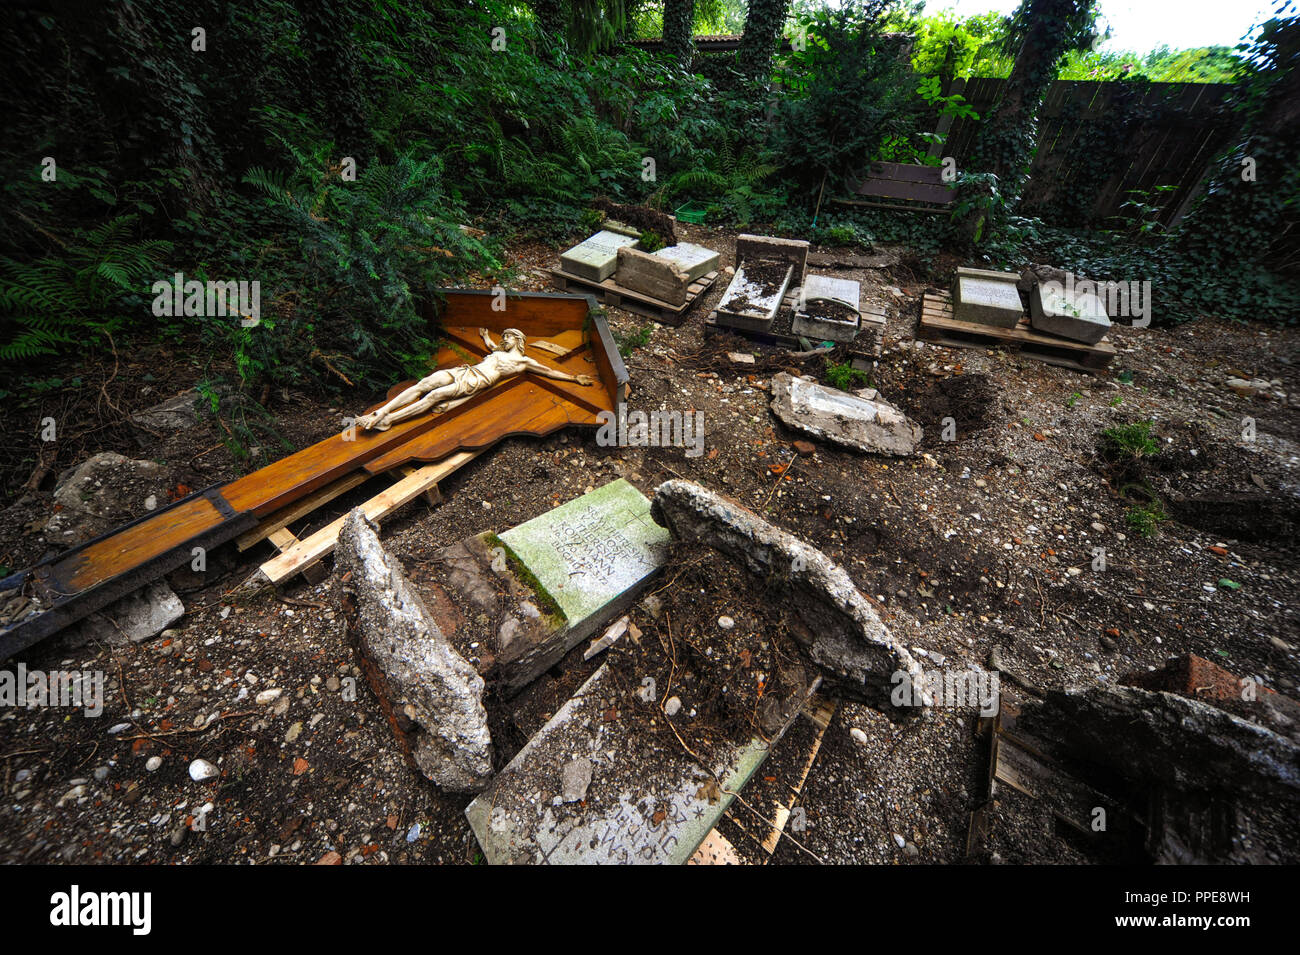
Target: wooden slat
point(299, 509)
point(322, 543)
point(914, 191)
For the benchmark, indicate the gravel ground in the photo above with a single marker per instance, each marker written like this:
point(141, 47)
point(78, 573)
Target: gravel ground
point(984, 541)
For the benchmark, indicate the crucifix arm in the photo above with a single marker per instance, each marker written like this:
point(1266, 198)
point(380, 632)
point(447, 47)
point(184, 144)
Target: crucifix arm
point(558, 375)
point(487, 339)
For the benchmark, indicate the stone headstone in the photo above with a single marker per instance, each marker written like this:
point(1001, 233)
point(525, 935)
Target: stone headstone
point(695, 260)
point(644, 802)
point(748, 305)
point(658, 278)
point(986, 298)
point(766, 248)
point(866, 425)
point(566, 574)
point(597, 258)
point(823, 288)
point(1059, 310)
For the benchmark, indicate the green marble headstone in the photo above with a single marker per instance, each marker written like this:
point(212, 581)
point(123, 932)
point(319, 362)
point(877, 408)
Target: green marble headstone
point(593, 550)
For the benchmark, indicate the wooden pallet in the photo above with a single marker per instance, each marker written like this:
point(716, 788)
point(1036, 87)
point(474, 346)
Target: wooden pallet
point(937, 325)
point(614, 295)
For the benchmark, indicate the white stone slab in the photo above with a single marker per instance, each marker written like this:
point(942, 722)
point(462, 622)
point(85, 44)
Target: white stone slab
point(597, 257)
point(987, 301)
point(745, 299)
point(694, 260)
point(1078, 316)
point(588, 552)
point(646, 804)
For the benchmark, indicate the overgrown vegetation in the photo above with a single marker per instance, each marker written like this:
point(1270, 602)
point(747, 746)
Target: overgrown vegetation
point(333, 154)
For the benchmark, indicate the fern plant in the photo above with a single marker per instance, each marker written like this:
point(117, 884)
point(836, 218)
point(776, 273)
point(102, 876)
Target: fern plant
point(732, 180)
point(84, 291)
point(372, 250)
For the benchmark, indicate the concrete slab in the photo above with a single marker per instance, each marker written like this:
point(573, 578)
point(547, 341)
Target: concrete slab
point(1080, 317)
point(695, 260)
point(745, 305)
point(596, 259)
point(867, 425)
point(646, 803)
point(829, 327)
point(987, 300)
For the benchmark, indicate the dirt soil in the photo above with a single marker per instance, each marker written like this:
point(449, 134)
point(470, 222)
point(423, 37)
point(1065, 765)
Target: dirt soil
point(988, 537)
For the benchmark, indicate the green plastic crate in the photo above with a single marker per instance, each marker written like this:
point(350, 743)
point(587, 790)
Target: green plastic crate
point(691, 212)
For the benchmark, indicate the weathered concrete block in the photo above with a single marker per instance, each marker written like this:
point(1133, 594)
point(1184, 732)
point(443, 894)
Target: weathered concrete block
point(597, 257)
point(1080, 316)
point(650, 275)
point(695, 260)
point(828, 309)
point(590, 790)
point(990, 298)
point(136, 617)
point(873, 426)
point(766, 248)
point(431, 695)
point(840, 630)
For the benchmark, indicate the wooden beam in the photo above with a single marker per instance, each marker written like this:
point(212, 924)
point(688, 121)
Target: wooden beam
point(299, 509)
point(312, 549)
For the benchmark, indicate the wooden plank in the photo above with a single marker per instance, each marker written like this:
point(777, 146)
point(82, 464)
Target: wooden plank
point(936, 325)
point(322, 543)
point(937, 311)
point(821, 716)
point(912, 191)
point(284, 540)
point(616, 296)
point(299, 509)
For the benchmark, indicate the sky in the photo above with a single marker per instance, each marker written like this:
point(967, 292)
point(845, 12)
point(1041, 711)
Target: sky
point(1141, 25)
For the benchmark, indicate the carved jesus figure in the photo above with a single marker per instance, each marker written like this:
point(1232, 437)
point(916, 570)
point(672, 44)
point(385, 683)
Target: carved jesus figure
point(448, 387)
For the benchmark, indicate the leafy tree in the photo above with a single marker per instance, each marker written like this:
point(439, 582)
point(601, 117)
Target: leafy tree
point(1042, 31)
point(679, 15)
point(763, 24)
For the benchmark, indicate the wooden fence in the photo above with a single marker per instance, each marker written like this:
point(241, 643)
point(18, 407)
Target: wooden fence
point(1089, 157)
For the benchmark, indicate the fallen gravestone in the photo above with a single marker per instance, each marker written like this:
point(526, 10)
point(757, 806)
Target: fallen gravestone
point(1064, 311)
point(650, 275)
point(557, 579)
point(766, 248)
point(594, 787)
point(596, 259)
point(987, 298)
point(833, 621)
point(431, 696)
point(695, 260)
point(872, 425)
point(828, 309)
